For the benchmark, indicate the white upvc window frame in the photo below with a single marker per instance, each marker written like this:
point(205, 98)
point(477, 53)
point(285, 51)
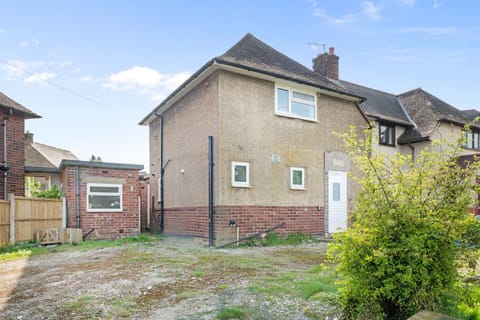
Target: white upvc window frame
point(291, 99)
point(241, 184)
point(119, 193)
point(297, 186)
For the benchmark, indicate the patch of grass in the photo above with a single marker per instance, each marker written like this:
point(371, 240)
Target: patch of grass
point(80, 308)
point(198, 273)
point(232, 312)
point(274, 239)
point(122, 308)
point(21, 250)
point(319, 283)
point(31, 249)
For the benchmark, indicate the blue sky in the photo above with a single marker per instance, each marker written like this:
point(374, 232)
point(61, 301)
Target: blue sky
point(120, 58)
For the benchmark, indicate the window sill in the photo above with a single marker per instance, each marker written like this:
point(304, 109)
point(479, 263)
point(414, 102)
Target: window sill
point(244, 187)
point(104, 210)
point(387, 145)
point(285, 115)
point(298, 189)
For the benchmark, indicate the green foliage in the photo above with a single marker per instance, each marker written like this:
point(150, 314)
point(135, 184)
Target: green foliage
point(231, 313)
point(399, 255)
point(32, 186)
point(52, 193)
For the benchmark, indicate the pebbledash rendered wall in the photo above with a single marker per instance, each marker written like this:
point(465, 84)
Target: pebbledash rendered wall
point(238, 111)
point(105, 225)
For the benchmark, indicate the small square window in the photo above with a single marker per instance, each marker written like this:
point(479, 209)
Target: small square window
point(240, 174)
point(297, 178)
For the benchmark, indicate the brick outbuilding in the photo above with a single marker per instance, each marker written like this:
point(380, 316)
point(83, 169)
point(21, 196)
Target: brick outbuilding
point(104, 198)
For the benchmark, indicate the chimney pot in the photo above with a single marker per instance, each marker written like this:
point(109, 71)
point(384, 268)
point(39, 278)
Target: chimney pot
point(331, 51)
point(28, 137)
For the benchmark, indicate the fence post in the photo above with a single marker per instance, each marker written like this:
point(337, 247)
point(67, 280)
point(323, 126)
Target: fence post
point(64, 212)
point(12, 218)
point(139, 214)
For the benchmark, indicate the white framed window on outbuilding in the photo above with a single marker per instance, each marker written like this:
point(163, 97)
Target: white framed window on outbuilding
point(103, 197)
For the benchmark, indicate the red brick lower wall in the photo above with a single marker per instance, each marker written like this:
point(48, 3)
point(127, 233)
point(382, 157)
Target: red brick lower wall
point(110, 225)
point(250, 220)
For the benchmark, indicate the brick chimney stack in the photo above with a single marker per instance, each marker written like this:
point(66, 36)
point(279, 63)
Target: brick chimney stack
point(326, 64)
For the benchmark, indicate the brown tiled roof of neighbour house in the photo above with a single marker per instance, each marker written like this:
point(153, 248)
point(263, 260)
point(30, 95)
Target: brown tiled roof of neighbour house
point(379, 104)
point(426, 110)
point(7, 103)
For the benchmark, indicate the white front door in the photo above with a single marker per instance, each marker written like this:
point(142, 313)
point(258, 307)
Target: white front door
point(337, 201)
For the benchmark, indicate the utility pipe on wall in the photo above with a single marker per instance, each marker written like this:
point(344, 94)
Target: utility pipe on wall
point(162, 171)
point(210, 191)
point(77, 194)
point(4, 168)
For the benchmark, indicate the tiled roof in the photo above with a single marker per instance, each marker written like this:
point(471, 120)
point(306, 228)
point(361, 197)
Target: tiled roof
point(426, 111)
point(7, 103)
point(379, 104)
point(38, 155)
point(252, 53)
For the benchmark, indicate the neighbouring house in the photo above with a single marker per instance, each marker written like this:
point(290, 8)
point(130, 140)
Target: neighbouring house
point(42, 163)
point(12, 150)
point(276, 161)
point(408, 122)
point(104, 199)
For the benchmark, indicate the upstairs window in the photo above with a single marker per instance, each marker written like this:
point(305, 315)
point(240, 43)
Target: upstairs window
point(386, 134)
point(295, 103)
point(104, 197)
point(470, 140)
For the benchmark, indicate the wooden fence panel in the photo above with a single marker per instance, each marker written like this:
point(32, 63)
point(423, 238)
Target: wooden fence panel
point(4, 222)
point(32, 214)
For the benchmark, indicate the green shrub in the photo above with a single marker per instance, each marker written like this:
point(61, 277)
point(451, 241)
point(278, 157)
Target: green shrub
point(400, 255)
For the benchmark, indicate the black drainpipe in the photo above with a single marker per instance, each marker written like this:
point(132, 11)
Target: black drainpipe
point(77, 194)
point(4, 168)
point(162, 171)
point(210, 191)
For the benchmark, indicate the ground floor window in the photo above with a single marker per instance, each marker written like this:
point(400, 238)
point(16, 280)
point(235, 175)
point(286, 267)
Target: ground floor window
point(104, 197)
point(297, 178)
point(240, 174)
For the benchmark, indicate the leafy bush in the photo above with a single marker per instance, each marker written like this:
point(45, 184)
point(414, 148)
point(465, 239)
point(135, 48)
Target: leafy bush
point(52, 193)
point(399, 256)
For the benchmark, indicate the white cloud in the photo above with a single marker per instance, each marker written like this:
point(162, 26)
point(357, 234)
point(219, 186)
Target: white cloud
point(2, 30)
point(407, 2)
point(436, 4)
point(14, 68)
point(146, 80)
point(371, 10)
point(39, 78)
point(27, 43)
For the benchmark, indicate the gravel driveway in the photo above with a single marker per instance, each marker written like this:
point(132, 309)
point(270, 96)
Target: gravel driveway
point(168, 279)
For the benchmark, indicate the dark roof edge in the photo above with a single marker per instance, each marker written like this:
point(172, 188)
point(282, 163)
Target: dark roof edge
point(391, 120)
point(180, 88)
point(41, 169)
point(276, 75)
point(28, 115)
point(426, 138)
point(106, 165)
